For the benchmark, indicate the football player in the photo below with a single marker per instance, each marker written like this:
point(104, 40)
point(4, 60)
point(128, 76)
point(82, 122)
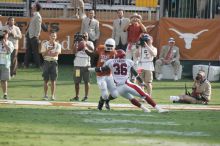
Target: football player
point(104, 79)
point(121, 69)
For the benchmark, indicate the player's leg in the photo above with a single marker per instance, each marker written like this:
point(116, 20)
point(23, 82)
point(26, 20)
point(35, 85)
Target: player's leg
point(123, 91)
point(138, 91)
point(112, 89)
point(101, 81)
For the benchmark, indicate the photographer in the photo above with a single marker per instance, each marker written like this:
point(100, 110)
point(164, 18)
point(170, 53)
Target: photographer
point(145, 55)
point(81, 63)
point(201, 91)
point(134, 29)
point(6, 48)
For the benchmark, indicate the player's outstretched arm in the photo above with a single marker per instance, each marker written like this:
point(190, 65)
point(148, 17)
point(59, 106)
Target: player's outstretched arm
point(102, 69)
point(134, 72)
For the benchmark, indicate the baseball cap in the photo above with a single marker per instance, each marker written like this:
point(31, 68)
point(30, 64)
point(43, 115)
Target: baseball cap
point(202, 73)
point(136, 15)
point(171, 40)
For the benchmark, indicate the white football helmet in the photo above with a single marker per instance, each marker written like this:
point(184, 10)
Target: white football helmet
point(109, 44)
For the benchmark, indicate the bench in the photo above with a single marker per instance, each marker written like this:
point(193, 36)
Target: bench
point(168, 72)
point(214, 71)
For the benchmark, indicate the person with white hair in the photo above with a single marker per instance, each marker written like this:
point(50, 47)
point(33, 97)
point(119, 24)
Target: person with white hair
point(201, 91)
point(169, 54)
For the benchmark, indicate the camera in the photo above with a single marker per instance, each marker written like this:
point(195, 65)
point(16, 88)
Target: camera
point(144, 38)
point(78, 37)
point(198, 77)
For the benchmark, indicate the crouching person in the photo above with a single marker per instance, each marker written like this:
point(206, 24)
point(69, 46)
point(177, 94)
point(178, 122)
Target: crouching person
point(201, 91)
point(6, 48)
point(50, 51)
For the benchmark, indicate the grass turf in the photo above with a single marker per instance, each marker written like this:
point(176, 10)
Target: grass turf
point(34, 126)
point(28, 85)
point(42, 125)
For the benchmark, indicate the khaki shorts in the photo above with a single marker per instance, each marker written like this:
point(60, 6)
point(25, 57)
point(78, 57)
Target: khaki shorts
point(4, 73)
point(80, 73)
point(147, 76)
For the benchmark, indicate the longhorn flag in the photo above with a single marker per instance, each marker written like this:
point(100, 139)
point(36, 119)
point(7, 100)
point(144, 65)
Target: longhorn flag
point(198, 39)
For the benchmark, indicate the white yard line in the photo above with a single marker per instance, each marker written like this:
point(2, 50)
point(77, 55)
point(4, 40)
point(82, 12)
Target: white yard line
point(113, 105)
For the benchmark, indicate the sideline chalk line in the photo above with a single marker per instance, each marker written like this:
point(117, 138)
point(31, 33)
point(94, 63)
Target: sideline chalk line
point(113, 105)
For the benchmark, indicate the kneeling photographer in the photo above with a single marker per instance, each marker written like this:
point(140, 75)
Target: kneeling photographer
point(145, 54)
point(81, 63)
point(201, 91)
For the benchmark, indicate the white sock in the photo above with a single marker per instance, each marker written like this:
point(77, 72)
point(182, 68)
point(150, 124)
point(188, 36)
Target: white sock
point(174, 98)
point(157, 107)
point(145, 109)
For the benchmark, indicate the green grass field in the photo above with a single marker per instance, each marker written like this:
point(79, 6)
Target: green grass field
point(55, 126)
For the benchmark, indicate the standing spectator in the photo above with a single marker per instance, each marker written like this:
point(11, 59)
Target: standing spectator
point(104, 79)
point(78, 6)
point(169, 55)
point(50, 51)
point(146, 54)
point(201, 91)
point(134, 29)
point(32, 36)
point(91, 26)
point(6, 48)
point(121, 69)
point(81, 65)
point(14, 34)
point(118, 34)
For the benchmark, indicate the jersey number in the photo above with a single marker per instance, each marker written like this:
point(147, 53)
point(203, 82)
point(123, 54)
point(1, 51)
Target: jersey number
point(120, 69)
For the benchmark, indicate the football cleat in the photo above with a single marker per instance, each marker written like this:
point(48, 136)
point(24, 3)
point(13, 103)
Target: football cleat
point(163, 111)
point(101, 103)
point(107, 106)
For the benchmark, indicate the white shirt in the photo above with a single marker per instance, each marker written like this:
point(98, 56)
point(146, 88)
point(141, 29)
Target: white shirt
point(81, 58)
point(5, 56)
point(47, 46)
point(120, 69)
point(147, 55)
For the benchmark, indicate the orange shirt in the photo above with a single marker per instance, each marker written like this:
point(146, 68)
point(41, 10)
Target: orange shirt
point(103, 57)
point(134, 32)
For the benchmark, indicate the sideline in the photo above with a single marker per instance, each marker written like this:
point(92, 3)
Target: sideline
point(113, 105)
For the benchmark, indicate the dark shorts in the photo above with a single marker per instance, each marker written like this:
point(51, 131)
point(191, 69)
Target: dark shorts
point(80, 73)
point(50, 70)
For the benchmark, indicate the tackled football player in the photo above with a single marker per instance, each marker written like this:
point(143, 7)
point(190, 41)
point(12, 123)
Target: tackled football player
point(121, 69)
point(104, 79)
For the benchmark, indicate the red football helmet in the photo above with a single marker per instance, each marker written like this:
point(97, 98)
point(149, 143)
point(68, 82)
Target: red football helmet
point(120, 54)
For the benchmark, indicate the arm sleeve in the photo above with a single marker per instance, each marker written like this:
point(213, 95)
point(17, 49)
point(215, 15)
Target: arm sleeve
point(133, 71)
point(102, 69)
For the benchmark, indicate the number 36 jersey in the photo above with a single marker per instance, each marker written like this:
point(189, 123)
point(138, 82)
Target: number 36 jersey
point(120, 69)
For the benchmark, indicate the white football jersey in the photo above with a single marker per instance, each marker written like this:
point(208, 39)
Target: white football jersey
point(120, 69)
